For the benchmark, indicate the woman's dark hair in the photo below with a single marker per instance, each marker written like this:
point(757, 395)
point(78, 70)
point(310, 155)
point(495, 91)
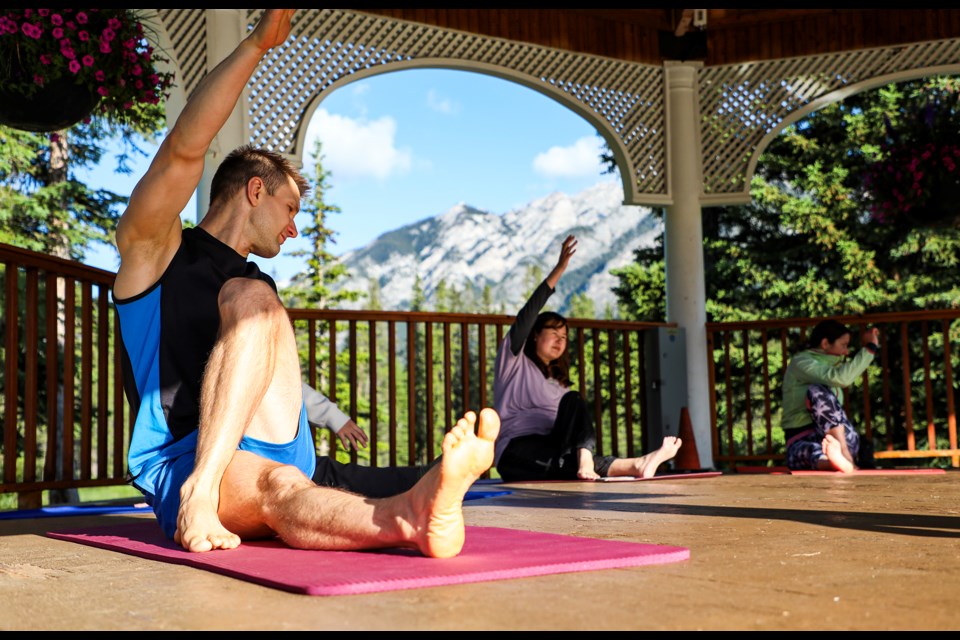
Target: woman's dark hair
point(248, 161)
point(558, 369)
point(829, 329)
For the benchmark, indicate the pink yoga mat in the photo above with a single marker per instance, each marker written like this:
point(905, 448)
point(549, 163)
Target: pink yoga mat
point(869, 472)
point(489, 553)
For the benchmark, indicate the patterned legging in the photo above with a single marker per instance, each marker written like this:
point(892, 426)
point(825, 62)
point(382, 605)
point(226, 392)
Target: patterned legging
point(826, 413)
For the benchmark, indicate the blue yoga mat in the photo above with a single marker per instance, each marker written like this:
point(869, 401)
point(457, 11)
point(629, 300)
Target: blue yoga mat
point(92, 510)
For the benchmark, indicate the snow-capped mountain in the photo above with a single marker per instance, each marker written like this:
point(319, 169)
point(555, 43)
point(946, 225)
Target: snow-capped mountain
point(466, 246)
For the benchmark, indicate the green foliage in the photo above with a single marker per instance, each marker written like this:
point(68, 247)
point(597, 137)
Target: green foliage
point(581, 306)
point(44, 206)
point(806, 244)
point(417, 298)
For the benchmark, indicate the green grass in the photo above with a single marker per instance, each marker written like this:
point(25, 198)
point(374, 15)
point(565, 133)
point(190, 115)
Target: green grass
point(8, 501)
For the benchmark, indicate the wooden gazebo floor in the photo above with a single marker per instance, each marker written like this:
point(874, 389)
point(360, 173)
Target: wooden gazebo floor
point(767, 552)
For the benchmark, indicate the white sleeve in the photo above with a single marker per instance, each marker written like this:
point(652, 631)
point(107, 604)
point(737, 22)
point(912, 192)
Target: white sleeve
point(321, 412)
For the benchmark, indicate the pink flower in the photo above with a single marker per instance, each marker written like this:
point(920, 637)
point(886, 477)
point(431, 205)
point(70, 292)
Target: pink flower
point(100, 75)
point(103, 91)
point(37, 79)
point(74, 66)
point(88, 60)
point(43, 12)
point(45, 58)
point(105, 47)
point(108, 34)
point(114, 24)
point(82, 18)
point(56, 19)
point(31, 30)
point(57, 32)
point(83, 35)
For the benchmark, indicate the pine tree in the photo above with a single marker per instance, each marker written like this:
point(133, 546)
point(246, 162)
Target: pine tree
point(312, 286)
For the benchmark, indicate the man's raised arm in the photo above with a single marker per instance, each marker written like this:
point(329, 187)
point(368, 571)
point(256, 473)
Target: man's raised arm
point(148, 233)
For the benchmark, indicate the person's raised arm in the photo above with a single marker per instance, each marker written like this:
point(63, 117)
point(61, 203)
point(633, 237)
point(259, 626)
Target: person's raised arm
point(566, 252)
point(527, 315)
point(846, 373)
point(148, 232)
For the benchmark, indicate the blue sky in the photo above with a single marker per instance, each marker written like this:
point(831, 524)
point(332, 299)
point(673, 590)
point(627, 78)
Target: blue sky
point(408, 145)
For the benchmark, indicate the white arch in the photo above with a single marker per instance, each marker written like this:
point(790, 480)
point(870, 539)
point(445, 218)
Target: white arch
point(601, 125)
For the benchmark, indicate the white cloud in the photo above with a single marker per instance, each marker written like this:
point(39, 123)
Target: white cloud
point(439, 104)
point(357, 148)
point(581, 159)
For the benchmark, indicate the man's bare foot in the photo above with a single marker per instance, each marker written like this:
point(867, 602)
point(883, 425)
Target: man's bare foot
point(438, 496)
point(646, 467)
point(199, 528)
point(834, 452)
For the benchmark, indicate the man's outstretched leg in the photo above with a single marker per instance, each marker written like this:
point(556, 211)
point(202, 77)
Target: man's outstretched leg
point(260, 498)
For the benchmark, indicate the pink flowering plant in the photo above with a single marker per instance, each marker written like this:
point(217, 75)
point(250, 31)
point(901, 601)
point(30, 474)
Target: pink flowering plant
point(105, 50)
point(914, 180)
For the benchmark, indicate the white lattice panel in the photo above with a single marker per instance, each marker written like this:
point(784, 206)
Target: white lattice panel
point(187, 29)
point(328, 45)
point(741, 104)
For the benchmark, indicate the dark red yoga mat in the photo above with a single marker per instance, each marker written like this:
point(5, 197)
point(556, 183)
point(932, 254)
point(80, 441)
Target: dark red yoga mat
point(666, 476)
point(858, 472)
point(489, 553)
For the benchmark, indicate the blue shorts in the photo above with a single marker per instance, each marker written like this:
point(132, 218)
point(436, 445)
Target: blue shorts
point(174, 464)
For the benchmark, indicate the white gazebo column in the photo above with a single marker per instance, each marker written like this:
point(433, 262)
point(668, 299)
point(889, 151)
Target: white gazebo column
point(225, 29)
point(683, 243)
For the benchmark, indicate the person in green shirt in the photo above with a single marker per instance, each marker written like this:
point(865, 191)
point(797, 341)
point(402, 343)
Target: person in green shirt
point(818, 432)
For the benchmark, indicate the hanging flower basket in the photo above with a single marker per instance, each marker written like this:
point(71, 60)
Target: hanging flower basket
point(60, 66)
point(59, 104)
point(917, 185)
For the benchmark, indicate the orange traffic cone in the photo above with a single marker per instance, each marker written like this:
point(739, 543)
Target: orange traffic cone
point(687, 459)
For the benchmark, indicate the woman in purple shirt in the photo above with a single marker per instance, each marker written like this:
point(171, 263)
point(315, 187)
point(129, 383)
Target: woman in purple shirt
point(546, 428)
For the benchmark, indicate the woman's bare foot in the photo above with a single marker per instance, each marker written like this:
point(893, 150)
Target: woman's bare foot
point(834, 452)
point(646, 467)
point(438, 496)
point(586, 470)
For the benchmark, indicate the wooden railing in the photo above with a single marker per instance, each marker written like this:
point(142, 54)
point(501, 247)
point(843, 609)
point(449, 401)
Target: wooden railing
point(432, 367)
point(404, 377)
point(904, 407)
point(63, 405)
